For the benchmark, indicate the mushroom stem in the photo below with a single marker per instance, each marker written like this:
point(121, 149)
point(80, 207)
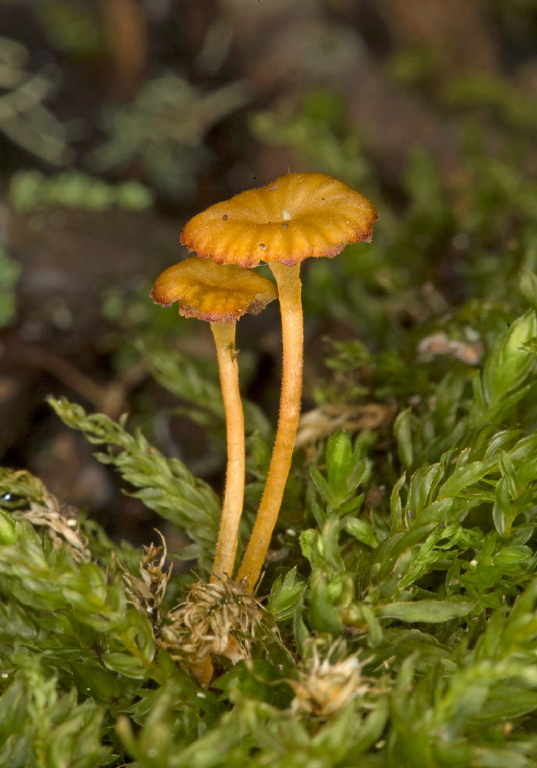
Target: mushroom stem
point(203, 671)
point(289, 290)
point(224, 336)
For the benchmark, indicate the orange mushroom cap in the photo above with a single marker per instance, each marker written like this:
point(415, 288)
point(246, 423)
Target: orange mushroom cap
point(288, 220)
point(211, 292)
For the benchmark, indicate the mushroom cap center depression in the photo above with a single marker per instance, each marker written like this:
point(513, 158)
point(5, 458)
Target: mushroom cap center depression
point(295, 217)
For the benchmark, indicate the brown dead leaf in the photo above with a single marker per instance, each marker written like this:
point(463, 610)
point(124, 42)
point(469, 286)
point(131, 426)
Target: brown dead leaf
point(469, 352)
point(321, 422)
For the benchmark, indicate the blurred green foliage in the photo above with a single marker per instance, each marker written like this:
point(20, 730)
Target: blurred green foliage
point(320, 132)
point(9, 275)
point(73, 26)
point(158, 137)
point(162, 131)
point(508, 104)
point(31, 190)
point(23, 117)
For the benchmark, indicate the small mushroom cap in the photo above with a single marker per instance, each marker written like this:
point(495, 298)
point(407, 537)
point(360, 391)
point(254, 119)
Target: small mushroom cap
point(288, 220)
point(211, 292)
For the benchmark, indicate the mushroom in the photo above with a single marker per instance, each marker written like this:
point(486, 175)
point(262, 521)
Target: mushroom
point(296, 216)
point(221, 295)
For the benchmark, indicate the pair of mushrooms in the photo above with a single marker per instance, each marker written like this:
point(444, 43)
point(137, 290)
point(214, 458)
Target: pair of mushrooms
point(296, 216)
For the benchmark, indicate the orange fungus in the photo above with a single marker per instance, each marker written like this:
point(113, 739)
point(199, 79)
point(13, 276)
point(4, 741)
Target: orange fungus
point(294, 217)
point(211, 292)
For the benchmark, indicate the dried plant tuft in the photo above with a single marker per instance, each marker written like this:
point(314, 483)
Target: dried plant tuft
point(61, 521)
point(218, 619)
point(147, 593)
point(324, 687)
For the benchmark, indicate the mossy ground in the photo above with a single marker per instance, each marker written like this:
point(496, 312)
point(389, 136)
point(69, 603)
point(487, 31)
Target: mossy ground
point(400, 590)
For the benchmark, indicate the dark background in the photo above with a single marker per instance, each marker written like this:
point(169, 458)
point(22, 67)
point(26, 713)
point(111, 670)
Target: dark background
point(195, 100)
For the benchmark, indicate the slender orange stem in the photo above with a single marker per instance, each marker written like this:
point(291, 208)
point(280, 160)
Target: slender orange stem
point(203, 671)
point(289, 290)
point(224, 336)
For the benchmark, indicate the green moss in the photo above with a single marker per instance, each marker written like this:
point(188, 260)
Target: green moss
point(402, 583)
